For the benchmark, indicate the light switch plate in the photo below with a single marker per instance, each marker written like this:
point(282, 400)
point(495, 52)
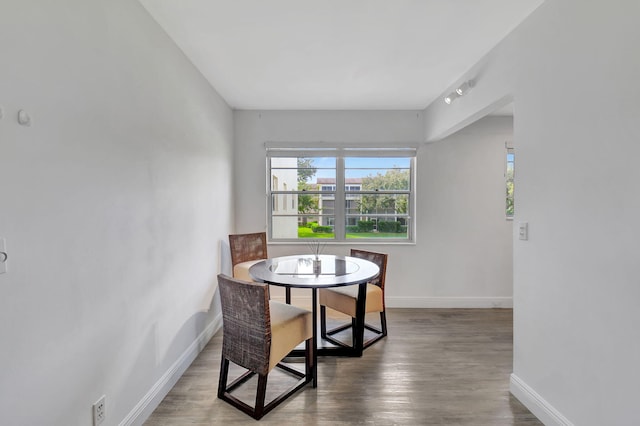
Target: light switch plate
point(3, 256)
point(523, 230)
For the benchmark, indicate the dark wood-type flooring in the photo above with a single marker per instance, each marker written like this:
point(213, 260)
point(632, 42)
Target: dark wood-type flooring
point(436, 367)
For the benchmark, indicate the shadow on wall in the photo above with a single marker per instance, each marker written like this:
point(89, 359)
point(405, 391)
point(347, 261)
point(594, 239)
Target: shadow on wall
point(163, 370)
point(157, 378)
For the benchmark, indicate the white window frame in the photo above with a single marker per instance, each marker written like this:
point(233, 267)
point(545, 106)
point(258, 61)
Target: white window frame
point(340, 152)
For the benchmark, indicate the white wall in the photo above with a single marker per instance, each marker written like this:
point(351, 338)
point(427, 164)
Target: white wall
point(462, 256)
point(113, 203)
point(465, 247)
point(572, 70)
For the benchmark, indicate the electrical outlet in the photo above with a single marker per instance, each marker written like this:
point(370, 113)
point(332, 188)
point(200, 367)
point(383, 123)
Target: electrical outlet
point(99, 411)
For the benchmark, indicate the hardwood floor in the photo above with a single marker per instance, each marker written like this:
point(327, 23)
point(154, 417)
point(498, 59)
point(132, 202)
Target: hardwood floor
point(436, 367)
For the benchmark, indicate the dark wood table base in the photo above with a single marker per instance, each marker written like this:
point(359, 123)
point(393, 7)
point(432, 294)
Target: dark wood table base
point(334, 350)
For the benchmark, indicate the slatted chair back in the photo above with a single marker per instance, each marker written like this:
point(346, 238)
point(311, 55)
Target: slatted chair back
point(245, 247)
point(379, 259)
point(246, 323)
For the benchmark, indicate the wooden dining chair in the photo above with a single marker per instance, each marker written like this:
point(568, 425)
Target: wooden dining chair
point(258, 334)
point(343, 299)
point(247, 250)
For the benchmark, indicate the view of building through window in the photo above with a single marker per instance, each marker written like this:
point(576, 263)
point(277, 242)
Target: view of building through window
point(341, 197)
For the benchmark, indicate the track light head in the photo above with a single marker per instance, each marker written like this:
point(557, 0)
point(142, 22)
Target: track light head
point(464, 87)
point(450, 98)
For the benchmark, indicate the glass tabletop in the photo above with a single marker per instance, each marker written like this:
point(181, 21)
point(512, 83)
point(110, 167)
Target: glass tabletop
point(302, 266)
point(306, 271)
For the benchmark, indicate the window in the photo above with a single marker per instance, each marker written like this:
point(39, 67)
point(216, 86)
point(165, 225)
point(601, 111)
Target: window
point(509, 175)
point(341, 194)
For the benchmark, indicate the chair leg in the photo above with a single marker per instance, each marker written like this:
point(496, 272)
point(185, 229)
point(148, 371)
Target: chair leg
point(260, 396)
point(380, 332)
point(383, 322)
point(354, 327)
point(323, 321)
point(326, 334)
point(308, 361)
point(224, 373)
point(259, 409)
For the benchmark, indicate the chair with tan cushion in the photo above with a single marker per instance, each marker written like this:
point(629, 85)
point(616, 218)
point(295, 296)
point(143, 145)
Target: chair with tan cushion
point(257, 334)
point(247, 250)
point(343, 299)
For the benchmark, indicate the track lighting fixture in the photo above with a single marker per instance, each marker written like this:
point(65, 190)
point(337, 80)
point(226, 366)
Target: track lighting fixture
point(464, 87)
point(460, 91)
point(451, 97)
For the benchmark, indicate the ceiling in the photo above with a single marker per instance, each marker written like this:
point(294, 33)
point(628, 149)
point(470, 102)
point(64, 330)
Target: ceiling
point(336, 54)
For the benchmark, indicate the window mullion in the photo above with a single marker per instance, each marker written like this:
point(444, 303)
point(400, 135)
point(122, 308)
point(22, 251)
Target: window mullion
point(340, 203)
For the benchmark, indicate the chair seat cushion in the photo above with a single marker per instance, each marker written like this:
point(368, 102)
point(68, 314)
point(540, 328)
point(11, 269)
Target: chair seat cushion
point(290, 326)
point(343, 299)
point(241, 270)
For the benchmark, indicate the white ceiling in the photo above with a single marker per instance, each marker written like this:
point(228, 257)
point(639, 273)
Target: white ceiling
point(336, 54)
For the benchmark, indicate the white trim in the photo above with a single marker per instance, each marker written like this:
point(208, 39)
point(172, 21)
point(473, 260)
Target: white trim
point(323, 147)
point(449, 302)
point(338, 194)
point(429, 302)
point(161, 388)
point(544, 411)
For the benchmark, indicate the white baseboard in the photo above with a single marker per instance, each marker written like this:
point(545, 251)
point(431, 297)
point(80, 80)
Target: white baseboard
point(427, 302)
point(156, 394)
point(544, 411)
point(449, 302)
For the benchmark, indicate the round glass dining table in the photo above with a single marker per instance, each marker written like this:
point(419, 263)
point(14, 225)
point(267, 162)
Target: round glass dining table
point(304, 271)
